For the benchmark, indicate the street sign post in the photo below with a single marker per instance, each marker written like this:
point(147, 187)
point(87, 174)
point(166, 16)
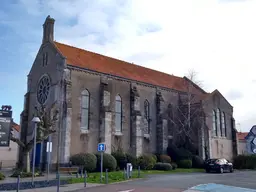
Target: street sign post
point(101, 149)
point(5, 127)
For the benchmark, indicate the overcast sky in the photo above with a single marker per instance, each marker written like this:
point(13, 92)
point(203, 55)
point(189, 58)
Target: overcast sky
point(216, 38)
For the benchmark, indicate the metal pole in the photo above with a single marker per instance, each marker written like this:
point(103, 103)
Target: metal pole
point(34, 155)
point(18, 184)
point(139, 171)
point(58, 183)
point(106, 176)
point(85, 175)
point(101, 166)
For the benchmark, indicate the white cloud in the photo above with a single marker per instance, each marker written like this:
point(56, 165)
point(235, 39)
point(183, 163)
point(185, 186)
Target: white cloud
point(214, 37)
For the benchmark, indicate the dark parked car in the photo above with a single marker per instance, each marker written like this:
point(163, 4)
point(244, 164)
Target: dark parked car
point(218, 165)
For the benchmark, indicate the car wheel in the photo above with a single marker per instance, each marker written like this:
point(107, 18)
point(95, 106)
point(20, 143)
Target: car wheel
point(207, 171)
point(221, 170)
point(231, 170)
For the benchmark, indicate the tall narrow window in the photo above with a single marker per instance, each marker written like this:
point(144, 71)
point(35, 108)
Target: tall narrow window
point(45, 59)
point(214, 123)
point(118, 114)
point(147, 116)
point(85, 110)
point(219, 121)
point(223, 122)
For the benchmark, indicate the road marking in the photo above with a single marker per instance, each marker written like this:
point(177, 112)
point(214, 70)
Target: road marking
point(130, 190)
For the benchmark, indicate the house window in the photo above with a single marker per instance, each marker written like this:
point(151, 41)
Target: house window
point(45, 59)
point(223, 126)
point(214, 123)
point(85, 105)
point(219, 121)
point(147, 116)
point(118, 114)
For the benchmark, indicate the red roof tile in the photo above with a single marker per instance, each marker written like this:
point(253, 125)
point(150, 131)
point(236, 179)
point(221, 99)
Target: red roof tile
point(241, 135)
point(16, 127)
point(104, 64)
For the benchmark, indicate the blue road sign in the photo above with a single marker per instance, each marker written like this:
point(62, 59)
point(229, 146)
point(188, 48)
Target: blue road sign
point(101, 147)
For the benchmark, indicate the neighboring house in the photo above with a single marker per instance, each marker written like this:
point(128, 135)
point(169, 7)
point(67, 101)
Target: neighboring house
point(102, 99)
point(9, 155)
point(242, 142)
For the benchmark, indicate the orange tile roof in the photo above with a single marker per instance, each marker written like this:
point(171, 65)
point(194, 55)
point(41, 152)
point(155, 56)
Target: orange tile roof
point(16, 127)
point(241, 135)
point(88, 60)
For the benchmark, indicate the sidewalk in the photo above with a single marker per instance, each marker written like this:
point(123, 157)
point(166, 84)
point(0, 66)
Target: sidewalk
point(52, 176)
point(65, 188)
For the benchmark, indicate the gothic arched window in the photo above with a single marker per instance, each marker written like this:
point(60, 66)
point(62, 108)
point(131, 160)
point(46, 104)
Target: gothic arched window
point(118, 113)
point(214, 123)
point(85, 106)
point(147, 115)
point(223, 126)
point(219, 121)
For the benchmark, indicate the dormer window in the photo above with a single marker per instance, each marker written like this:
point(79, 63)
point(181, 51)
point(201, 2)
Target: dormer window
point(45, 59)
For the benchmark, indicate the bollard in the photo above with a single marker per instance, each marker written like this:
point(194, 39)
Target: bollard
point(138, 171)
point(18, 183)
point(124, 174)
point(85, 176)
point(106, 176)
point(58, 183)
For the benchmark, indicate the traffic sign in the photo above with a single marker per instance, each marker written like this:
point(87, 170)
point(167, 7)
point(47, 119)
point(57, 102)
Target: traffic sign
point(101, 147)
point(49, 147)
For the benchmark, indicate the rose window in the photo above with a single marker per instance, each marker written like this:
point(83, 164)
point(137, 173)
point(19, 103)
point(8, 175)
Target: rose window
point(43, 89)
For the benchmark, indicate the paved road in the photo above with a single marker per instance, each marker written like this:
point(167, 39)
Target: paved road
point(181, 182)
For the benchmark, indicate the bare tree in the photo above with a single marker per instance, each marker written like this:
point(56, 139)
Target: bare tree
point(188, 115)
point(45, 128)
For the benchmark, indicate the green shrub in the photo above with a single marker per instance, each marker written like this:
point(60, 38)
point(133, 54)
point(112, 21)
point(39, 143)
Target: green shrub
point(22, 174)
point(109, 162)
point(185, 163)
point(197, 162)
point(245, 162)
point(2, 176)
point(165, 159)
point(174, 165)
point(163, 166)
point(87, 160)
point(132, 159)
point(178, 154)
point(120, 159)
point(146, 162)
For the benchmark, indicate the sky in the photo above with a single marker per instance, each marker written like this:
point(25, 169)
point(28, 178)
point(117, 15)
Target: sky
point(215, 38)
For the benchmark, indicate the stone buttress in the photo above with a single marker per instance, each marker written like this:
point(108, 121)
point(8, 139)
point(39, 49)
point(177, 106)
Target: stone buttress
point(161, 125)
point(136, 129)
point(105, 133)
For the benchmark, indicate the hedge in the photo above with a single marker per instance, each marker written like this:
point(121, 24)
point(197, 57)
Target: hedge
point(87, 160)
point(163, 166)
point(178, 154)
point(165, 159)
point(185, 163)
point(197, 162)
point(121, 159)
point(147, 162)
point(2, 176)
point(245, 162)
point(109, 162)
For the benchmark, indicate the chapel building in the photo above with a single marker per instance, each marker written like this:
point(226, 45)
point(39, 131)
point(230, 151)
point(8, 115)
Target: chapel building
point(126, 106)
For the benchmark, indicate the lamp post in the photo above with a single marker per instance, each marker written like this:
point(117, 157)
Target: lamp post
point(35, 120)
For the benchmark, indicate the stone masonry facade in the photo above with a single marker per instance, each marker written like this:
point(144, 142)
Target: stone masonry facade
point(141, 132)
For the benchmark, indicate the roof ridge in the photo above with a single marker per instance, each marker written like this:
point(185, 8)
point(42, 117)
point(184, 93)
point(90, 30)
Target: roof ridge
point(118, 60)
